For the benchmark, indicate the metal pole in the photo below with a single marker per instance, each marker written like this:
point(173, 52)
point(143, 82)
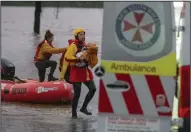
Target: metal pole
point(57, 10)
point(37, 17)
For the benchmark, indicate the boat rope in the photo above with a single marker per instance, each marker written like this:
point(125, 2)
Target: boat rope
point(15, 77)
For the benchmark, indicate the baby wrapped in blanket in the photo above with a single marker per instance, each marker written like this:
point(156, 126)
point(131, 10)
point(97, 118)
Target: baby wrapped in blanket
point(88, 56)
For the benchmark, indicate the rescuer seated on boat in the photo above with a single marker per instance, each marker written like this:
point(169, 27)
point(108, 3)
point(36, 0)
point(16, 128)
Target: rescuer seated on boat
point(43, 54)
point(78, 75)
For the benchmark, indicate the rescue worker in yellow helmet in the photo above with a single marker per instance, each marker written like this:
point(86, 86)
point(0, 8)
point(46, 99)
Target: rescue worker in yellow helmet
point(77, 75)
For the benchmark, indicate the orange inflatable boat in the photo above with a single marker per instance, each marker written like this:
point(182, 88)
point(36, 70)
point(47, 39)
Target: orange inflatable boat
point(33, 91)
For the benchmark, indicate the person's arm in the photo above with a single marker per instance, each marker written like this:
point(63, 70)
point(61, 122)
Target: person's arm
point(70, 53)
point(61, 60)
point(69, 57)
point(48, 49)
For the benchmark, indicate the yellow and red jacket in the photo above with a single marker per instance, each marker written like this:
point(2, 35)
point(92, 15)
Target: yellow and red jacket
point(76, 74)
point(70, 41)
point(45, 50)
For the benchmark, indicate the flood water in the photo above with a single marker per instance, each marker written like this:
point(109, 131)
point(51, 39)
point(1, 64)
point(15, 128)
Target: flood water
point(18, 45)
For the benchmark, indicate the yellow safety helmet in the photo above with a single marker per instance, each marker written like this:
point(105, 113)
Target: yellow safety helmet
point(78, 30)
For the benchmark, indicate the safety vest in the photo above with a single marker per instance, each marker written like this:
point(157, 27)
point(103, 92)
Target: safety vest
point(46, 55)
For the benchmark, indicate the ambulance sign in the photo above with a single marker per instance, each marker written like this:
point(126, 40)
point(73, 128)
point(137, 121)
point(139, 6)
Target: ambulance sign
point(139, 40)
point(136, 41)
point(138, 65)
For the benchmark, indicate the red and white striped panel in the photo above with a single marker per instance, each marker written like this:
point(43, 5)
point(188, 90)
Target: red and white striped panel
point(140, 98)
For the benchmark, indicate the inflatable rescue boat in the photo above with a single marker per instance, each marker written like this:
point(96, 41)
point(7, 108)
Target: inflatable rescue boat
point(32, 91)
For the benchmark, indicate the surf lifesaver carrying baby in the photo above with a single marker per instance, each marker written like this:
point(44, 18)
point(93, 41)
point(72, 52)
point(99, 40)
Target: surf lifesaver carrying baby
point(88, 55)
point(75, 68)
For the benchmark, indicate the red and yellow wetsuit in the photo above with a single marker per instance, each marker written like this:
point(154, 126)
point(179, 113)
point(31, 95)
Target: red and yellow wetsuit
point(45, 50)
point(76, 74)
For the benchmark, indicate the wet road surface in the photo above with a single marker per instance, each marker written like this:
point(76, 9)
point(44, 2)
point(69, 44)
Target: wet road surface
point(39, 118)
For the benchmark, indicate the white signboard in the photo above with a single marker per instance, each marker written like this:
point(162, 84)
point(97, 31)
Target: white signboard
point(130, 124)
